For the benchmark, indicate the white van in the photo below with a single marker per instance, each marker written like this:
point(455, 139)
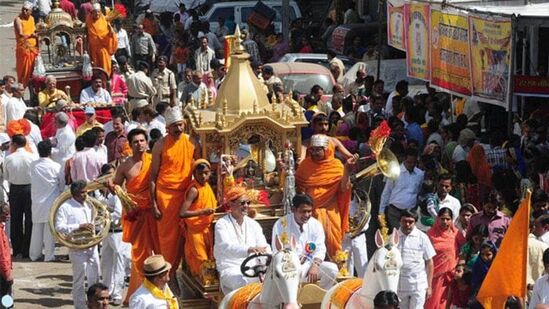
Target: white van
point(241, 10)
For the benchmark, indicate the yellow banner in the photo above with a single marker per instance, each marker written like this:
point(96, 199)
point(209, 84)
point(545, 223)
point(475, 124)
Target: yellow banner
point(450, 61)
point(417, 40)
point(490, 57)
point(395, 24)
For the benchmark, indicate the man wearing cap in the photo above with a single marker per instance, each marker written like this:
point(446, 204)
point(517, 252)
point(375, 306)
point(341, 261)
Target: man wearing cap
point(165, 83)
point(142, 231)
point(90, 121)
point(27, 45)
point(140, 86)
point(143, 46)
point(95, 93)
point(155, 292)
point(326, 180)
point(197, 213)
point(16, 107)
point(51, 94)
point(46, 184)
point(74, 215)
point(101, 39)
point(310, 238)
point(172, 158)
point(63, 141)
point(236, 237)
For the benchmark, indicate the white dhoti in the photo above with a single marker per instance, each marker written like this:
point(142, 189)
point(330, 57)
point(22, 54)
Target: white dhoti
point(327, 274)
point(358, 254)
point(113, 263)
point(85, 264)
point(41, 238)
point(231, 279)
point(412, 299)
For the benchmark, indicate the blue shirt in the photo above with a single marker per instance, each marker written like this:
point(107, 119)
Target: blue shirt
point(413, 131)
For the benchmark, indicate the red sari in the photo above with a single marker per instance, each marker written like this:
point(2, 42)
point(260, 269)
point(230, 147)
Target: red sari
point(444, 262)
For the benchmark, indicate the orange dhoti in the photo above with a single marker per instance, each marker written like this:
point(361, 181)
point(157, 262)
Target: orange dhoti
point(102, 42)
point(321, 181)
point(25, 52)
point(174, 177)
point(139, 228)
point(198, 237)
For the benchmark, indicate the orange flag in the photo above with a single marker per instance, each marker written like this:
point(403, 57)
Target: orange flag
point(507, 275)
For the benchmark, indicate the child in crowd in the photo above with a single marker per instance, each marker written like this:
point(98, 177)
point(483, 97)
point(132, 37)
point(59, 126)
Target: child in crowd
point(460, 288)
point(480, 269)
point(470, 250)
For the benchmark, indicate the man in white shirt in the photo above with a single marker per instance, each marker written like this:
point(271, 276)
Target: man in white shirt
point(35, 136)
point(100, 147)
point(95, 93)
point(15, 106)
point(444, 199)
point(540, 295)
point(63, 141)
point(76, 214)
point(416, 274)
point(309, 235)
point(124, 48)
point(402, 193)
point(46, 185)
point(114, 252)
point(157, 275)
point(17, 168)
point(236, 237)
point(203, 55)
point(541, 228)
point(140, 86)
point(466, 141)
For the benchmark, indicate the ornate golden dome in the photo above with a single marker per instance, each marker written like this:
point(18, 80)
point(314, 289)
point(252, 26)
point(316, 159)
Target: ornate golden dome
point(58, 17)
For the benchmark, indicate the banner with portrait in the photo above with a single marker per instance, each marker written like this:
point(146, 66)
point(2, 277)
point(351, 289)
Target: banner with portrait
point(450, 61)
point(417, 39)
point(490, 41)
point(395, 24)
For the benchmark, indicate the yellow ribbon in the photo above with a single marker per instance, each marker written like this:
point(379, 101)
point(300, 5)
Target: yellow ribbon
point(157, 293)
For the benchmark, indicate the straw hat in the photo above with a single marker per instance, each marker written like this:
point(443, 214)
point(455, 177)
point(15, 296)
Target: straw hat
point(155, 265)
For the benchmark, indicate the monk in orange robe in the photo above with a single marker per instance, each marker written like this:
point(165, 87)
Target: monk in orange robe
point(26, 48)
point(326, 180)
point(101, 38)
point(139, 225)
point(197, 213)
point(172, 159)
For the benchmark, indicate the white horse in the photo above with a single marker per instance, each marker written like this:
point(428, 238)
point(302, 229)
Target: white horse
point(382, 274)
point(279, 290)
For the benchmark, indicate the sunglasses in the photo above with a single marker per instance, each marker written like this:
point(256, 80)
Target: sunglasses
point(242, 203)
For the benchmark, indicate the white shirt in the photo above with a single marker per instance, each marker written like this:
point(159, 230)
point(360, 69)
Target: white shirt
point(71, 214)
point(34, 135)
point(101, 151)
point(15, 109)
point(459, 154)
point(403, 191)
point(415, 248)
point(143, 299)
point(123, 40)
point(545, 238)
point(540, 295)
point(114, 205)
point(156, 124)
point(232, 241)
point(202, 59)
point(389, 104)
point(313, 232)
point(87, 95)
point(65, 148)
point(17, 167)
point(44, 6)
point(452, 203)
point(46, 185)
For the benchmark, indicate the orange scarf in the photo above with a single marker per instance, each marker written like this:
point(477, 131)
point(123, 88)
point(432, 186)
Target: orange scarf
point(479, 165)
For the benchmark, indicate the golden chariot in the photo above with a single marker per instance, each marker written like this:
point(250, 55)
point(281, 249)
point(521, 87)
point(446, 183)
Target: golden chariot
point(242, 123)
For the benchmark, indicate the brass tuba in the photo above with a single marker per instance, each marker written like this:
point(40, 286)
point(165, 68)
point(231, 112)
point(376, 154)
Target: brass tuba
point(358, 221)
point(101, 219)
point(386, 163)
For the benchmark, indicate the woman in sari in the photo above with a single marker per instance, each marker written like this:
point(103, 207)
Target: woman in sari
point(443, 237)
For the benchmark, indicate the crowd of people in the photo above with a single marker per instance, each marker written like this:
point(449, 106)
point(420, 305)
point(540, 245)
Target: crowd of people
point(461, 178)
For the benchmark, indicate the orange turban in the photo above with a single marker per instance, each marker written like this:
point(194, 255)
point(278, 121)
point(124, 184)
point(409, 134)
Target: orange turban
point(235, 192)
point(21, 126)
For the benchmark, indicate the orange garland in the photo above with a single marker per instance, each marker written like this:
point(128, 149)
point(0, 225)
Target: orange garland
point(242, 297)
point(344, 290)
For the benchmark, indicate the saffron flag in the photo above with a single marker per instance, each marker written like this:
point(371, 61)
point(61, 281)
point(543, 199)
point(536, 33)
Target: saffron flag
point(507, 275)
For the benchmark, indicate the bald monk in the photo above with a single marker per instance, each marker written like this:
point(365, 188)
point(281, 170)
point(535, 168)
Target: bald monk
point(101, 38)
point(172, 159)
point(326, 181)
point(138, 228)
point(26, 48)
point(197, 213)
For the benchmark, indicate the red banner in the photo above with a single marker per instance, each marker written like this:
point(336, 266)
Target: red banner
point(532, 85)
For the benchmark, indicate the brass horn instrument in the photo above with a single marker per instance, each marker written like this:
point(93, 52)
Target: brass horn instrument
point(358, 221)
point(101, 219)
point(386, 163)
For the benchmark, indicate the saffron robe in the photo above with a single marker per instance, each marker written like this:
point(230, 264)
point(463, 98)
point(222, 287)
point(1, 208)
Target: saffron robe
point(139, 229)
point(102, 42)
point(26, 51)
point(321, 181)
